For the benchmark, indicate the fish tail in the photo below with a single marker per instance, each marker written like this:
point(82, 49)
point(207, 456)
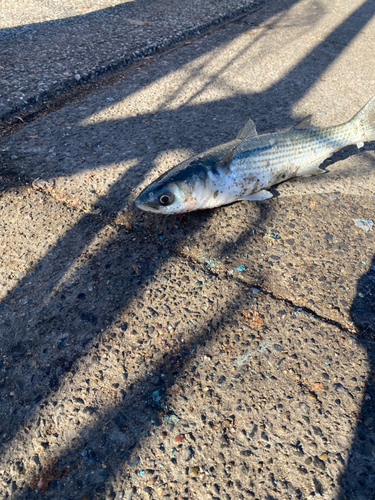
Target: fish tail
point(364, 122)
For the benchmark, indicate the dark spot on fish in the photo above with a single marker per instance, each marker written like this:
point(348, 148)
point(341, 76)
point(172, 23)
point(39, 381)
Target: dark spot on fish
point(214, 171)
point(198, 169)
point(216, 194)
point(283, 176)
point(193, 167)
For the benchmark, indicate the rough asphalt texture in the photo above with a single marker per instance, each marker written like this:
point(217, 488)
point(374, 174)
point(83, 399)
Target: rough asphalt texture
point(224, 354)
point(56, 48)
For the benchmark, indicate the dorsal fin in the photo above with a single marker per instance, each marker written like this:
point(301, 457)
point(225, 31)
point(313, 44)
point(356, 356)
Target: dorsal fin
point(303, 124)
point(248, 130)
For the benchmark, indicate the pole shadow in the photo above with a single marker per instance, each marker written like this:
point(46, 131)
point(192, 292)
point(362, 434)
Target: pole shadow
point(358, 481)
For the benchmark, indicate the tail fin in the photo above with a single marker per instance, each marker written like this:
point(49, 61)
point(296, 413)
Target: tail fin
point(365, 121)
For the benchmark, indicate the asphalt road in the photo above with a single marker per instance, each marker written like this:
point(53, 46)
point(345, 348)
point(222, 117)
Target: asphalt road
point(222, 354)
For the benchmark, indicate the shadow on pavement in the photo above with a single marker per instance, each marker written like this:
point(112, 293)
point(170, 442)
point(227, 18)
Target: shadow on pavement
point(359, 475)
point(40, 60)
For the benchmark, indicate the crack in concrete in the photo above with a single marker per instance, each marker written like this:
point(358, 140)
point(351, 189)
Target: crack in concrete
point(341, 326)
point(111, 219)
point(307, 310)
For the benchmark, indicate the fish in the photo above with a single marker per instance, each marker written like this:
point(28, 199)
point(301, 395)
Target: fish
point(246, 167)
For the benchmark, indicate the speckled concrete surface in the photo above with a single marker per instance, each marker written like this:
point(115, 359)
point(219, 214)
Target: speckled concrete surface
point(19, 14)
point(56, 49)
point(223, 354)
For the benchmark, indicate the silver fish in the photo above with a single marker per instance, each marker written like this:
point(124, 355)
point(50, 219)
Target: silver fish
point(244, 169)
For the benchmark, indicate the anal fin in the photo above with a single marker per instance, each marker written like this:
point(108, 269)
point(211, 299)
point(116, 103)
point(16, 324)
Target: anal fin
point(259, 196)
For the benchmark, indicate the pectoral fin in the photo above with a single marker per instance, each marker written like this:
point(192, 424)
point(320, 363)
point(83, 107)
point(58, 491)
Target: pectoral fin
point(259, 196)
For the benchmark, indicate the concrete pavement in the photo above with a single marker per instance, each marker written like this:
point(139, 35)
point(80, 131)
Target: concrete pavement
point(220, 354)
point(49, 47)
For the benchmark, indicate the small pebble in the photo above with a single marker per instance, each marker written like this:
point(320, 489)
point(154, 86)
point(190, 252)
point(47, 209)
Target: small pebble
point(194, 471)
point(319, 463)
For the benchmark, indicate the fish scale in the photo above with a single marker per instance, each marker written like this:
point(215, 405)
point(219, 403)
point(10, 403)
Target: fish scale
point(245, 168)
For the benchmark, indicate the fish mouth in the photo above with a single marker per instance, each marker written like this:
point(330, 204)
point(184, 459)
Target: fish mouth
point(144, 206)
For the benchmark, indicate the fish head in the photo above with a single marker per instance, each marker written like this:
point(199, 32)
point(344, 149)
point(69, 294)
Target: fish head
point(182, 189)
point(167, 198)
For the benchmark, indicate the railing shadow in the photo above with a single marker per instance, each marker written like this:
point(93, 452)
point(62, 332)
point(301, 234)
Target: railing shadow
point(53, 56)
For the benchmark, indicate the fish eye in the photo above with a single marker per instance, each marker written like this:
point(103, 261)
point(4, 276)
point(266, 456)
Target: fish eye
point(166, 199)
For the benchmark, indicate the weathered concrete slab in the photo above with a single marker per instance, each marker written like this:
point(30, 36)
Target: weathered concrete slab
point(17, 14)
point(216, 389)
point(210, 355)
point(32, 225)
point(46, 49)
point(306, 239)
point(305, 249)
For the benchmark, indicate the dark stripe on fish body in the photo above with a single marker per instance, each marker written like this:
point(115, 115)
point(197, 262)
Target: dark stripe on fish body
point(253, 151)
